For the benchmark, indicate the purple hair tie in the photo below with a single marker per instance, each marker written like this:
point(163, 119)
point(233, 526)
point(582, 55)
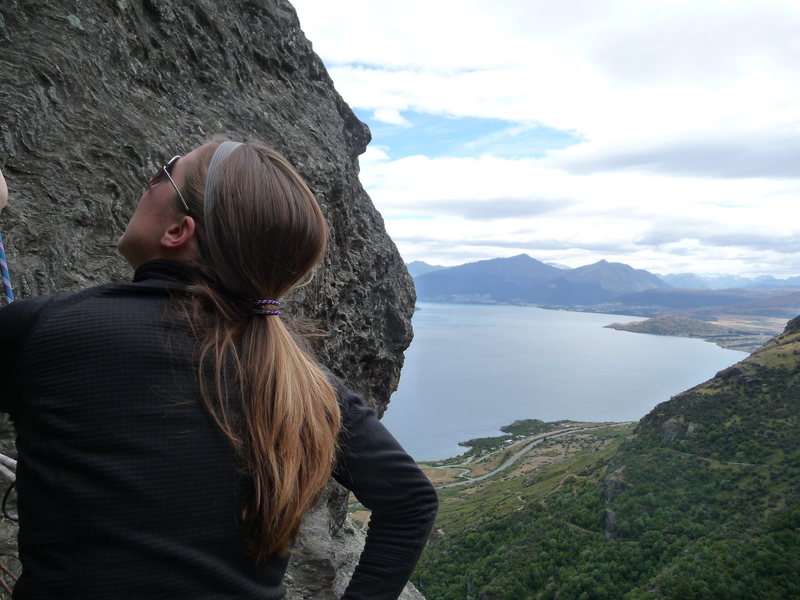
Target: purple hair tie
point(260, 307)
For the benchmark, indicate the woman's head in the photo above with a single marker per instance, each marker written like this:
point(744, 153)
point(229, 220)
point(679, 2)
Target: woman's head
point(258, 227)
point(160, 227)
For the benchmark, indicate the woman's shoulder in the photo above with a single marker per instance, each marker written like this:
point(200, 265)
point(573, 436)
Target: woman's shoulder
point(349, 401)
point(22, 313)
point(358, 418)
point(20, 317)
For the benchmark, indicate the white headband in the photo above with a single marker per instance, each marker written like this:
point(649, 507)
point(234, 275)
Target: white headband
point(223, 151)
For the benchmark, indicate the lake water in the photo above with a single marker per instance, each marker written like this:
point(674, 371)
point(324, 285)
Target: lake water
point(473, 368)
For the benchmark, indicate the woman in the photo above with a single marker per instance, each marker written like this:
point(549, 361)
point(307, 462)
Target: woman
point(171, 432)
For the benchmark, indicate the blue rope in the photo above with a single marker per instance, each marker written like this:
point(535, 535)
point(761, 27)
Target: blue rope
point(9, 292)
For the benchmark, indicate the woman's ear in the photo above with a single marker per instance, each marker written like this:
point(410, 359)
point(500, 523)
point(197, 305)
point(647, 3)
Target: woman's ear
point(179, 238)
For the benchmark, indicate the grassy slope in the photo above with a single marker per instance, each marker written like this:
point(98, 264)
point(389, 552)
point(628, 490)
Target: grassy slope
point(747, 334)
point(669, 325)
point(701, 503)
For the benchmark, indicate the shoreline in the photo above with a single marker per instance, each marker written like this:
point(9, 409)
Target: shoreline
point(507, 461)
point(516, 433)
point(733, 333)
point(529, 357)
point(746, 333)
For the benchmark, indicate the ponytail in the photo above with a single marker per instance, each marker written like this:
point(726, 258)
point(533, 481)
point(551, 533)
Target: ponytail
point(259, 383)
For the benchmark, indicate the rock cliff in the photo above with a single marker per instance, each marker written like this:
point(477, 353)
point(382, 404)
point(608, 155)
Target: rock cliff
point(96, 95)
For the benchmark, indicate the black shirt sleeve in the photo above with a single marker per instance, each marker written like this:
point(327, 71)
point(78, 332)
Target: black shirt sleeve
point(16, 320)
point(386, 480)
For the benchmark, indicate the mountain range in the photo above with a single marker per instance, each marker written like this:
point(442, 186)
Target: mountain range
point(602, 286)
point(721, 282)
point(522, 279)
point(676, 280)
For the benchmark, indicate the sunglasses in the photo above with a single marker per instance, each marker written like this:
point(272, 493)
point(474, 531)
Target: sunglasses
point(165, 172)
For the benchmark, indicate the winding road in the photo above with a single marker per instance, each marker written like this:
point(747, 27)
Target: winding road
point(517, 455)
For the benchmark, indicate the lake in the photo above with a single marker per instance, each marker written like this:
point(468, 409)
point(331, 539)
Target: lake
point(474, 367)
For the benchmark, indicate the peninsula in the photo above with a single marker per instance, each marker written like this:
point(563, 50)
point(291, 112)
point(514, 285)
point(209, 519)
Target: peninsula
point(734, 334)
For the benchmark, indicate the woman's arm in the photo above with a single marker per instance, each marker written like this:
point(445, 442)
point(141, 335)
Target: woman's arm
point(386, 480)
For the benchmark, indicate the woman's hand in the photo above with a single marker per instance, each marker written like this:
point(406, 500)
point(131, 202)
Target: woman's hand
point(3, 192)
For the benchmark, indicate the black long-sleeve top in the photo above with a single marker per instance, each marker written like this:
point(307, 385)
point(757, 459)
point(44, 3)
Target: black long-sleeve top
point(128, 489)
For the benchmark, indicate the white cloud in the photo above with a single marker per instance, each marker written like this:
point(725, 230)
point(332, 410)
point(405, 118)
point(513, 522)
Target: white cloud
point(739, 155)
point(390, 116)
point(646, 220)
point(612, 69)
point(688, 111)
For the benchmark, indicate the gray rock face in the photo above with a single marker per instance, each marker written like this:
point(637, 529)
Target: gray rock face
point(96, 95)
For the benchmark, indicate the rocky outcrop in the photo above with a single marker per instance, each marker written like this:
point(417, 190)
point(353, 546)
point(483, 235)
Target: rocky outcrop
point(793, 326)
point(96, 95)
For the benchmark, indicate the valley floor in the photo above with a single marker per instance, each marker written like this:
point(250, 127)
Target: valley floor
point(512, 462)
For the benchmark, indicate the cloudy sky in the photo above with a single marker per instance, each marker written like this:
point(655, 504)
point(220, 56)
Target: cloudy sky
point(664, 134)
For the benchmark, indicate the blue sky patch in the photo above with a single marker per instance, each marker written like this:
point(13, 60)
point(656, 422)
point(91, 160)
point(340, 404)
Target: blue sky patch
point(438, 135)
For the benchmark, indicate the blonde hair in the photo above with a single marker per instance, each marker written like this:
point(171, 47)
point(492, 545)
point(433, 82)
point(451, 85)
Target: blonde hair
point(269, 232)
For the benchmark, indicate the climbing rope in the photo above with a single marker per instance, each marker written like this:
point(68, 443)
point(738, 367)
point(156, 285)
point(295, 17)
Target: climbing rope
point(7, 289)
point(8, 465)
point(8, 468)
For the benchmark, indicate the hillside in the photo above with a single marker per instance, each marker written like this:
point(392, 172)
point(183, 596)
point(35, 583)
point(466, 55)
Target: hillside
point(675, 298)
point(708, 304)
point(494, 280)
point(719, 282)
point(418, 267)
point(617, 278)
point(701, 502)
point(525, 280)
point(687, 280)
point(785, 305)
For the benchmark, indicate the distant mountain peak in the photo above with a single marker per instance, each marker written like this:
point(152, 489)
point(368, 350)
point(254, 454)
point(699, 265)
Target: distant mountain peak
point(524, 279)
point(523, 258)
point(418, 267)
